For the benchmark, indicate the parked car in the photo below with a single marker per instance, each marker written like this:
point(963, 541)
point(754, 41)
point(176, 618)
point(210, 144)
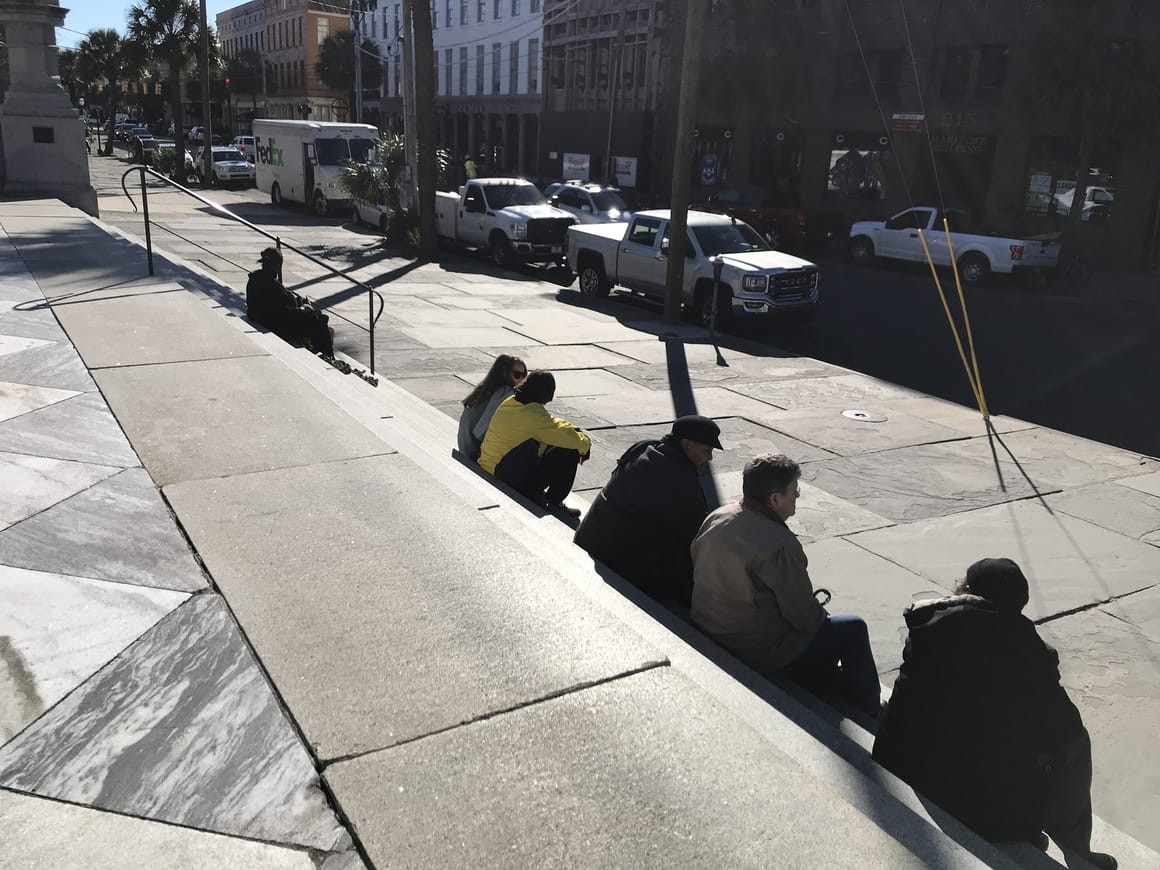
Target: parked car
point(169, 146)
point(229, 168)
point(141, 144)
point(755, 279)
point(375, 214)
point(507, 216)
point(777, 216)
point(245, 144)
point(977, 254)
point(591, 203)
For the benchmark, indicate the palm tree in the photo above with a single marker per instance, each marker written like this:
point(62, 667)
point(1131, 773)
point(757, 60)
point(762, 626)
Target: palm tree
point(170, 31)
point(67, 67)
point(335, 66)
point(245, 74)
point(103, 56)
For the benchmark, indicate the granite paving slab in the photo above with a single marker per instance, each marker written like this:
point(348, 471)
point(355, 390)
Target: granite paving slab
point(80, 428)
point(1141, 610)
point(737, 370)
point(150, 329)
point(211, 418)
point(1069, 563)
point(819, 514)
point(845, 436)
point(17, 398)
point(49, 834)
point(435, 316)
point(657, 351)
point(640, 407)
point(557, 357)
point(48, 364)
point(838, 391)
point(29, 319)
point(591, 779)
point(391, 362)
point(56, 631)
point(465, 336)
point(1113, 506)
point(12, 344)
point(1055, 460)
point(915, 483)
point(967, 420)
point(556, 326)
point(375, 630)
point(437, 388)
point(580, 382)
point(183, 728)
point(873, 588)
point(1110, 670)
point(118, 529)
point(33, 483)
point(585, 417)
point(1149, 483)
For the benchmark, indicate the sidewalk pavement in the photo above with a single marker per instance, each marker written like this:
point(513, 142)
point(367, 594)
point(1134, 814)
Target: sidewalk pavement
point(267, 476)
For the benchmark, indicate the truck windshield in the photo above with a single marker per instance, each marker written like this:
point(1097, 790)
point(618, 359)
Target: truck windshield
point(729, 239)
point(360, 150)
point(335, 152)
point(224, 155)
point(607, 200)
point(502, 195)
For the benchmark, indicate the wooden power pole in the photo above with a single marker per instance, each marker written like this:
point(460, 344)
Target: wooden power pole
point(425, 125)
point(690, 67)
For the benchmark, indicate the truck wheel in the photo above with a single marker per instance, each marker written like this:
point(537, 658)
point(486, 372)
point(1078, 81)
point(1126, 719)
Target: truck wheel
point(384, 225)
point(592, 280)
point(862, 251)
point(355, 217)
point(319, 204)
point(501, 250)
point(704, 308)
point(974, 269)
point(276, 194)
point(773, 238)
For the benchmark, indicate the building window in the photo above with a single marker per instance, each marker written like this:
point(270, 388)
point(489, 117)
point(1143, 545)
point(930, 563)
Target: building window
point(533, 66)
point(479, 69)
point(448, 71)
point(323, 29)
point(447, 14)
point(1051, 179)
point(398, 29)
point(496, 49)
point(462, 11)
point(434, 17)
point(516, 10)
point(480, 6)
point(497, 9)
point(398, 87)
point(514, 68)
point(534, 5)
point(858, 166)
point(992, 71)
point(463, 70)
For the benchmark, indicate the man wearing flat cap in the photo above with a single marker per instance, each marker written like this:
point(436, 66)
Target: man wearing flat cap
point(643, 521)
point(284, 312)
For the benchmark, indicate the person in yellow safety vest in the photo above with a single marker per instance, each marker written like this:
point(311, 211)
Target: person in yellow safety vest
point(469, 166)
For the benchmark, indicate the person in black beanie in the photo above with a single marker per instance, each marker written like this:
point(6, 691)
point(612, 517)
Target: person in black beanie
point(979, 723)
point(285, 313)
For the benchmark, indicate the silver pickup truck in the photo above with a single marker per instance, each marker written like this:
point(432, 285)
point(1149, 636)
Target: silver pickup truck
point(755, 279)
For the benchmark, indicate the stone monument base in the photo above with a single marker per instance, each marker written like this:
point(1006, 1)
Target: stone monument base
point(46, 157)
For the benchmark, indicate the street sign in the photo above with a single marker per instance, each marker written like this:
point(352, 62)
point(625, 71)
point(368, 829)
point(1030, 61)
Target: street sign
point(340, 107)
point(907, 122)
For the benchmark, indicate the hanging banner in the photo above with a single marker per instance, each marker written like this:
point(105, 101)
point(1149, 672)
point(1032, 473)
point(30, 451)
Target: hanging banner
point(625, 171)
point(907, 122)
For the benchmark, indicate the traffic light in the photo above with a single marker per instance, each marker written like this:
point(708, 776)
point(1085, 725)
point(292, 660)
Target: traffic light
point(227, 83)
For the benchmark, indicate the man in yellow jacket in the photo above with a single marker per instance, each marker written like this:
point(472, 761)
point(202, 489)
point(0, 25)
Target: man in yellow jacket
point(531, 451)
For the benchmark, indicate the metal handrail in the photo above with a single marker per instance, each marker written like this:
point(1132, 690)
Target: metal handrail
point(372, 293)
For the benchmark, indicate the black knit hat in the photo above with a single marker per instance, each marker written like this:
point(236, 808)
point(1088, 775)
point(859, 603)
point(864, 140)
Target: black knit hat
point(271, 254)
point(1000, 581)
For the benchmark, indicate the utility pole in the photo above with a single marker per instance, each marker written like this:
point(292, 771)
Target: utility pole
point(613, 89)
point(424, 95)
point(206, 122)
point(356, 18)
point(409, 114)
point(683, 156)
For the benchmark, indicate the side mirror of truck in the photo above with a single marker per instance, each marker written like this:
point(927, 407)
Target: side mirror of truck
point(665, 246)
point(554, 200)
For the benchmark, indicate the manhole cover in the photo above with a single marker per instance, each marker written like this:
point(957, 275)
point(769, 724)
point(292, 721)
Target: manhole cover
point(864, 416)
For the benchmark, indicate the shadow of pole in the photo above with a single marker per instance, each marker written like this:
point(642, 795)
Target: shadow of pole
point(684, 402)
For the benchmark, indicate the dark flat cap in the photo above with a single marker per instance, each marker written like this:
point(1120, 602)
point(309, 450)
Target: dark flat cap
point(699, 429)
point(270, 254)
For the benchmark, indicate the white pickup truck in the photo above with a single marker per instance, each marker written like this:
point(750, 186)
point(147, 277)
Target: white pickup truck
point(755, 279)
point(507, 216)
point(978, 255)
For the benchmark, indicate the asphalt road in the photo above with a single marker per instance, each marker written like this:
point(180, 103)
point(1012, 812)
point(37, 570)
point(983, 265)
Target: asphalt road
point(1083, 366)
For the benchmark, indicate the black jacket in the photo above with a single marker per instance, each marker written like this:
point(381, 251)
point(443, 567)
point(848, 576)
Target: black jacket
point(644, 520)
point(977, 715)
point(267, 301)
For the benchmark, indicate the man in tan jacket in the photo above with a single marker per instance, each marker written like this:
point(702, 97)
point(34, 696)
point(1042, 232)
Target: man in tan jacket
point(752, 591)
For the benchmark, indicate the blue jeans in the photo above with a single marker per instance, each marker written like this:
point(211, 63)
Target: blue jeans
point(845, 639)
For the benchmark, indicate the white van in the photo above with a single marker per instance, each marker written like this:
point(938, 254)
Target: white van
point(300, 161)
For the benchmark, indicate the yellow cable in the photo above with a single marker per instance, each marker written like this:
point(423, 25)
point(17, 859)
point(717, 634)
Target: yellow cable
point(954, 329)
point(966, 320)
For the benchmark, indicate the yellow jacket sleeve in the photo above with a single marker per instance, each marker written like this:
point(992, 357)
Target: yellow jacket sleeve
point(555, 432)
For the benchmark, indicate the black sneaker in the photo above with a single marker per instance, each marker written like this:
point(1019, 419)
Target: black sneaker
point(563, 509)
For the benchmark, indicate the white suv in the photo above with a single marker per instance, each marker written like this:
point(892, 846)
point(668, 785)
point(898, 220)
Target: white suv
point(245, 144)
point(229, 167)
point(590, 203)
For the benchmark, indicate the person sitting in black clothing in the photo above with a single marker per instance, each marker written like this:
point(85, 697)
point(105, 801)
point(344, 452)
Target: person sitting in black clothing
point(642, 523)
point(285, 313)
point(979, 723)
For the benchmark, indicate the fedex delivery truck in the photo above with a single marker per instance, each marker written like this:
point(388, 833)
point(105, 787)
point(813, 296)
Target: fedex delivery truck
point(300, 161)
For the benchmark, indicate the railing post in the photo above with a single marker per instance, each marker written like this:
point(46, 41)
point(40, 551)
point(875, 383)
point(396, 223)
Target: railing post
point(371, 324)
point(145, 211)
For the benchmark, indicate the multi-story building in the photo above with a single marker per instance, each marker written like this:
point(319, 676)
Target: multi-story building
point(288, 34)
point(605, 62)
point(488, 77)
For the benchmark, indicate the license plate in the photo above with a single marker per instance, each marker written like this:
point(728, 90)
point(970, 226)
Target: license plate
point(557, 249)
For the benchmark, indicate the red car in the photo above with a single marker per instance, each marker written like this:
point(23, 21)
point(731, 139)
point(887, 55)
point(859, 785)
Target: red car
point(777, 216)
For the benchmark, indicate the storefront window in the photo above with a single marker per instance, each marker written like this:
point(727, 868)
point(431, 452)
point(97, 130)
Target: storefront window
point(1051, 180)
point(858, 166)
